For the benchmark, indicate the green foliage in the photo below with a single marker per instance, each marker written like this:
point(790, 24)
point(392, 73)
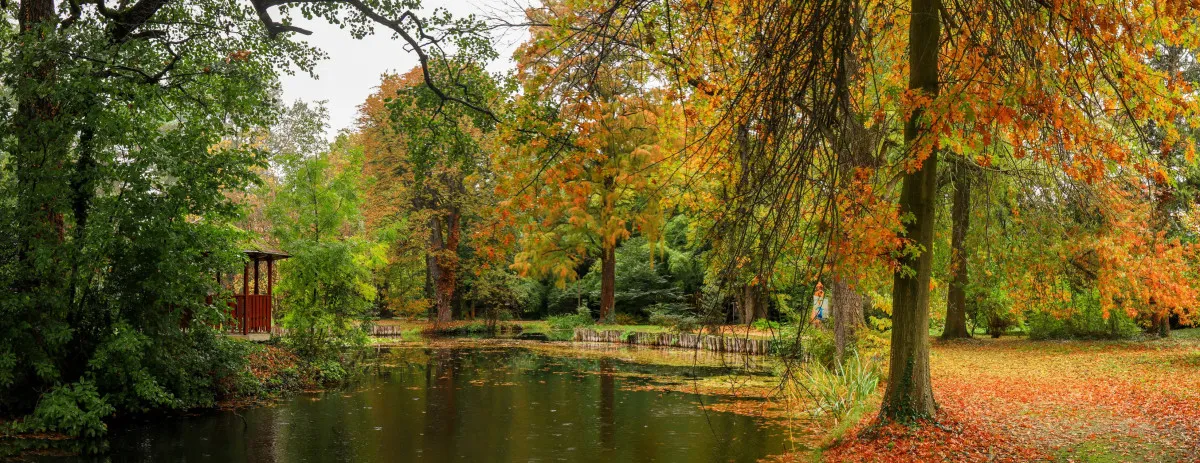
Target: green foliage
point(74, 409)
point(498, 292)
point(581, 318)
point(125, 141)
point(989, 305)
point(642, 282)
point(441, 134)
point(115, 212)
point(1080, 318)
point(820, 347)
point(999, 322)
point(677, 317)
point(326, 290)
point(1087, 323)
point(626, 319)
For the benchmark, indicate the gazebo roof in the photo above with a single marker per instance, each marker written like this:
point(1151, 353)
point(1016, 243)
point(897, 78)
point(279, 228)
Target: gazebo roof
point(258, 254)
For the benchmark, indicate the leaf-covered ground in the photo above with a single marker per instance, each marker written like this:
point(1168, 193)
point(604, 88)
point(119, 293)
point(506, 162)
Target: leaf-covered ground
point(1018, 400)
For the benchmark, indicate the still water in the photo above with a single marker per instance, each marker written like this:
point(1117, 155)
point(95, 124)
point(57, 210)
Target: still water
point(462, 404)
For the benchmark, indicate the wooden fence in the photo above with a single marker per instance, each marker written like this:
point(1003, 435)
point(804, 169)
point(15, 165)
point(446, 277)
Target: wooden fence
point(251, 313)
point(683, 340)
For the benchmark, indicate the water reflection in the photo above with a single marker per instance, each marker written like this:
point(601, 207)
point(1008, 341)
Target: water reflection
point(607, 417)
point(473, 405)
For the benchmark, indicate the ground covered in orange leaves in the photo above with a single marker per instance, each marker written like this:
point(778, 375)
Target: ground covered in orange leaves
point(1018, 400)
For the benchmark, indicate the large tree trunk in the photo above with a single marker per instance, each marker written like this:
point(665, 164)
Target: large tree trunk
point(760, 307)
point(608, 280)
point(857, 146)
point(433, 270)
point(42, 136)
point(960, 217)
point(750, 304)
point(1163, 197)
point(447, 276)
point(1160, 321)
point(909, 394)
point(847, 309)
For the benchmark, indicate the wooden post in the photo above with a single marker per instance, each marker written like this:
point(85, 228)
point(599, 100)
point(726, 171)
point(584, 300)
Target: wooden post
point(256, 276)
point(245, 299)
point(270, 297)
point(270, 275)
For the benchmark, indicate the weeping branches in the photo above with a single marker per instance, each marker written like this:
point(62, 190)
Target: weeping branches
point(793, 118)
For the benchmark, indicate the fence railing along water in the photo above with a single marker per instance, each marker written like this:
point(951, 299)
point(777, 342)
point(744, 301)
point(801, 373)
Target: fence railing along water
point(715, 343)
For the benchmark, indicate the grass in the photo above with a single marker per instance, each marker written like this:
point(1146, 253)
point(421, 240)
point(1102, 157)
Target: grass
point(1100, 451)
point(1187, 334)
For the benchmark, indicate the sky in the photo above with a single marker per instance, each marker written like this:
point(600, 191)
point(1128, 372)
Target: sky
point(354, 67)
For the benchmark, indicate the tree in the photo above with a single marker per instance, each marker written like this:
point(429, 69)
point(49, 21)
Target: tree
point(118, 220)
point(440, 163)
point(909, 391)
point(1014, 69)
point(960, 222)
point(119, 152)
point(325, 288)
point(591, 139)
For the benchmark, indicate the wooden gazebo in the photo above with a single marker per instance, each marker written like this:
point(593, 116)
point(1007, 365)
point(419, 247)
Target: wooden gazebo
point(251, 309)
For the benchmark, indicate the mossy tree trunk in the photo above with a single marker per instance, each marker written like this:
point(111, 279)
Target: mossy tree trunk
point(909, 394)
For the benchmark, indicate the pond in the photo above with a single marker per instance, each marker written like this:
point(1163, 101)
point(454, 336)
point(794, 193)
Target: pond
point(469, 404)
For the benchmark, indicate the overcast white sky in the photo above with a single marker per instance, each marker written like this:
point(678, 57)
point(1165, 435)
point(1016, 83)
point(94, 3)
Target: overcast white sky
point(354, 67)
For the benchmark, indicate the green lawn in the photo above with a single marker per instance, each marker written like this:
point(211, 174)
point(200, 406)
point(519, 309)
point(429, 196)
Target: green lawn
point(1187, 333)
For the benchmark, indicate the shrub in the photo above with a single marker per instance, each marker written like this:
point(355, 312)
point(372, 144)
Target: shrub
point(1081, 318)
point(76, 410)
point(677, 317)
point(1088, 323)
point(937, 325)
point(820, 347)
point(625, 319)
point(581, 317)
point(786, 345)
point(999, 323)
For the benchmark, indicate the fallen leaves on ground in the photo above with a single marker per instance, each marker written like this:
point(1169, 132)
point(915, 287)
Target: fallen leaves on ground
point(951, 440)
point(1017, 400)
point(269, 361)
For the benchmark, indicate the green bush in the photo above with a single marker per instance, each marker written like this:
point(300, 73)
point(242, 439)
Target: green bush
point(677, 317)
point(820, 347)
point(76, 410)
point(816, 345)
point(581, 317)
point(999, 322)
point(626, 319)
point(1081, 318)
point(1088, 323)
